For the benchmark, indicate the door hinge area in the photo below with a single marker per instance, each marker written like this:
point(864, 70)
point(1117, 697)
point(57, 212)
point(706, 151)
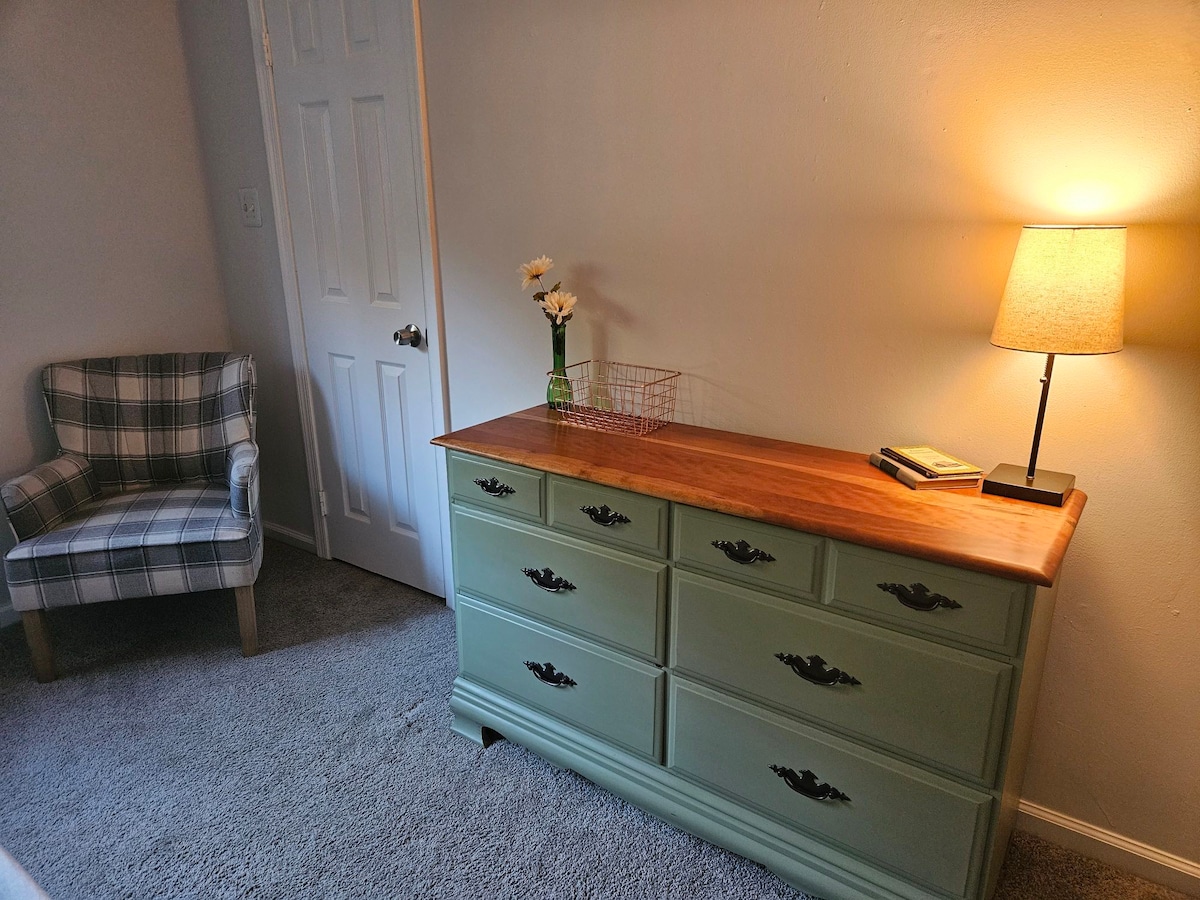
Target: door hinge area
point(267, 49)
point(324, 504)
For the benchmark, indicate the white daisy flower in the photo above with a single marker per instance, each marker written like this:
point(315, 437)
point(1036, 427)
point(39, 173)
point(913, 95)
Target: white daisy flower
point(559, 305)
point(535, 269)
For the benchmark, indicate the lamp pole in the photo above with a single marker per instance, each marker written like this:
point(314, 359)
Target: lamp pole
point(1037, 429)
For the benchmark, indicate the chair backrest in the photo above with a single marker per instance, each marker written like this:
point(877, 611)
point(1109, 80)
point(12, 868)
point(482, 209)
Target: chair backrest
point(153, 419)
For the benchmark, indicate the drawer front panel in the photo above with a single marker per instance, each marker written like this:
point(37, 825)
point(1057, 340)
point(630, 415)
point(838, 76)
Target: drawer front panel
point(925, 827)
point(614, 697)
point(928, 598)
point(792, 568)
point(620, 518)
point(505, 487)
point(613, 596)
point(940, 704)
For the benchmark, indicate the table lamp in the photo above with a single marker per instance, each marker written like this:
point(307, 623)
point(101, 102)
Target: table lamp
point(1065, 294)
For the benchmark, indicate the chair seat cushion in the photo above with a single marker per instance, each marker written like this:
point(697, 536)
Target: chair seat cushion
point(137, 544)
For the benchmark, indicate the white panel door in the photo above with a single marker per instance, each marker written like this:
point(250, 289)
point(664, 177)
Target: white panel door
point(344, 75)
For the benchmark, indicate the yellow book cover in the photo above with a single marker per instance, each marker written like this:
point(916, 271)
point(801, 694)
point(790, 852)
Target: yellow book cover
point(931, 462)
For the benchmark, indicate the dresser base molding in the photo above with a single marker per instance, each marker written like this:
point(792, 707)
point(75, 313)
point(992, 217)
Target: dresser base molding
point(481, 715)
point(474, 732)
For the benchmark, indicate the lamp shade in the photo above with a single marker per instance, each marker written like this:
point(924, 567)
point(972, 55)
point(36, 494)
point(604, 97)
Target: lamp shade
point(1065, 291)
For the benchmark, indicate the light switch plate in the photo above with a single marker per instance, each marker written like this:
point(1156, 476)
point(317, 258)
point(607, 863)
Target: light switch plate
point(251, 214)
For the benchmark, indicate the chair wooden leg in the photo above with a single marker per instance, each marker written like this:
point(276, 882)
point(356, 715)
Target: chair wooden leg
point(37, 636)
point(247, 622)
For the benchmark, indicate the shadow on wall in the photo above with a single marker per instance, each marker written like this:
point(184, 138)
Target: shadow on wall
point(37, 421)
point(43, 447)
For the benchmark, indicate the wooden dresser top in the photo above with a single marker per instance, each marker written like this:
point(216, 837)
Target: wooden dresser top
point(826, 492)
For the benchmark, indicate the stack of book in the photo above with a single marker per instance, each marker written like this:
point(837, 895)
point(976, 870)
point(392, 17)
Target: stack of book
point(924, 468)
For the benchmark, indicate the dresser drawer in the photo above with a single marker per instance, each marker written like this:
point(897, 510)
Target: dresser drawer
point(928, 598)
point(943, 705)
point(610, 595)
point(496, 485)
point(610, 695)
point(616, 517)
point(925, 827)
point(754, 553)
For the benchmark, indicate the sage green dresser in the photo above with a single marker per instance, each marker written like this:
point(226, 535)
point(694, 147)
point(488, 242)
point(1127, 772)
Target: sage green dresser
point(775, 647)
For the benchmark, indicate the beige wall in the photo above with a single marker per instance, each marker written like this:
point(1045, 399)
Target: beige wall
point(220, 63)
point(107, 243)
point(810, 209)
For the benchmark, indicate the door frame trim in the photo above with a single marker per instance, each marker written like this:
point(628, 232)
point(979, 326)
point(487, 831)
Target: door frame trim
point(435, 310)
point(431, 279)
point(287, 271)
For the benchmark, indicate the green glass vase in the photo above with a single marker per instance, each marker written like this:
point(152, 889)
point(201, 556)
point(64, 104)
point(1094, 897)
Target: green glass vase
point(558, 391)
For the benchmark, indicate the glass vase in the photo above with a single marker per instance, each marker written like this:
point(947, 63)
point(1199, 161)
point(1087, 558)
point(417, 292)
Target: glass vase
point(558, 391)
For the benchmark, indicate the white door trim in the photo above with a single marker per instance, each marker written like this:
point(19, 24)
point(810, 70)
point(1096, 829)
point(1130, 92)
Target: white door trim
point(432, 288)
point(434, 312)
point(287, 267)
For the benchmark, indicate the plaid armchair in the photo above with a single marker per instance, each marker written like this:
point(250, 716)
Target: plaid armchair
point(154, 490)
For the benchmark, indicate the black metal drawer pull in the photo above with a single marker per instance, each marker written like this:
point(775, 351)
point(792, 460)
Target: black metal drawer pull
point(548, 581)
point(494, 487)
point(917, 596)
point(743, 553)
point(546, 674)
point(813, 669)
point(805, 782)
point(604, 516)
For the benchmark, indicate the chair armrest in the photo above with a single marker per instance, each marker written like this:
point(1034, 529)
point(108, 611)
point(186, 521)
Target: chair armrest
point(241, 464)
point(15, 882)
point(39, 500)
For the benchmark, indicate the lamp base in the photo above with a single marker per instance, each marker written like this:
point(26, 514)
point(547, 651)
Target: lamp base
point(1049, 488)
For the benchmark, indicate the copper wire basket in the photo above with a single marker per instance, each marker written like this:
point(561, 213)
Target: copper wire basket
point(613, 396)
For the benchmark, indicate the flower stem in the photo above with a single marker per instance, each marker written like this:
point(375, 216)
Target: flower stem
point(559, 389)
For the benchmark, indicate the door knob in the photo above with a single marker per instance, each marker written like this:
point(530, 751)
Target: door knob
point(410, 335)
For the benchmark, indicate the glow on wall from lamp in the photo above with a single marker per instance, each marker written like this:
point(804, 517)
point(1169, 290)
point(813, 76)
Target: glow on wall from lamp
point(1103, 127)
point(1064, 164)
point(1087, 198)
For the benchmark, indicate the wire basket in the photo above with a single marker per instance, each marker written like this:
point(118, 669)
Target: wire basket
point(613, 396)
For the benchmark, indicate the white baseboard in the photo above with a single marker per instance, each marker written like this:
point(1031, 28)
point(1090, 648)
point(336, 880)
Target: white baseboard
point(1117, 850)
point(290, 536)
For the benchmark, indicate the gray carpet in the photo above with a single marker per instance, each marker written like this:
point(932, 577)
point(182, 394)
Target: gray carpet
point(163, 765)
